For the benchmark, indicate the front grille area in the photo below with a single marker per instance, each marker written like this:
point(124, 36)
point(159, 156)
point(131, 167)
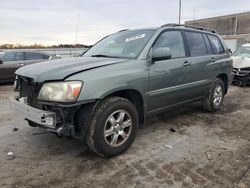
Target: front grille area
point(27, 88)
point(246, 69)
point(65, 116)
point(241, 72)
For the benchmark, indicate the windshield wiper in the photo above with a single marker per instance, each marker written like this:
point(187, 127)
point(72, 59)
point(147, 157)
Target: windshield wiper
point(102, 55)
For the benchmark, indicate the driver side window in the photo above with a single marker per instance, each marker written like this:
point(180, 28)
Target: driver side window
point(172, 40)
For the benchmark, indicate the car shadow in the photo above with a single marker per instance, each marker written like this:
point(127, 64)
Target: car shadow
point(6, 83)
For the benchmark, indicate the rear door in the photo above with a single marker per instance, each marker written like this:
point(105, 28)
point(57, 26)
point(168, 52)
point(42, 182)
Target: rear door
point(35, 57)
point(9, 64)
point(169, 79)
point(201, 59)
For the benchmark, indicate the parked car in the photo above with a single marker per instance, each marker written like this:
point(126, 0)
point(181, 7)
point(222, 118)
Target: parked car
point(10, 61)
point(128, 76)
point(241, 65)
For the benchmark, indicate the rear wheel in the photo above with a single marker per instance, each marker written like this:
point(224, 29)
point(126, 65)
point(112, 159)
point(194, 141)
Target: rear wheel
point(214, 99)
point(113, 127)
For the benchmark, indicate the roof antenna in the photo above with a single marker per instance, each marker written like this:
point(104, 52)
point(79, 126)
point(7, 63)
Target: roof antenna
point(77, 25)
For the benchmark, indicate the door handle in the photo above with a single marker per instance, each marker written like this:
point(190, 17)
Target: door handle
point(186, 63)
point(21, 64)
point(213, 59)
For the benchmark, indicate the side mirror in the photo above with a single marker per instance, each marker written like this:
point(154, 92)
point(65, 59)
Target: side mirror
point(1, 61)
point(162, 53)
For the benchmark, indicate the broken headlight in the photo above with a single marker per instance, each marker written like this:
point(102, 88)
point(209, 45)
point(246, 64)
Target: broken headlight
point(67, 91)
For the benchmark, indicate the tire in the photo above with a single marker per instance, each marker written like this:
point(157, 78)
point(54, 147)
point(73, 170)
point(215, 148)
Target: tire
point(120, 132)
point(214, 99)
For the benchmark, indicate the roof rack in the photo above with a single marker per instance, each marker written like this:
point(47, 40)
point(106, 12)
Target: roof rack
point(122, 30)
point(189, 26)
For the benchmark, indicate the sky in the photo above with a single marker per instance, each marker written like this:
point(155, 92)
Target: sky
point(51, 22)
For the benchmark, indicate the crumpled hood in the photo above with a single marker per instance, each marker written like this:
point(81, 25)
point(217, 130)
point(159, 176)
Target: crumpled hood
point(60, 68)
point(241, 62)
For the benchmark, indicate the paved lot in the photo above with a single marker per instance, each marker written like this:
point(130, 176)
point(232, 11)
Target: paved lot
point(208, 150)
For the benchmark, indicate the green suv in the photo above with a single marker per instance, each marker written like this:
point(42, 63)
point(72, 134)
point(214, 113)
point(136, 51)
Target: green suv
point(104, 95)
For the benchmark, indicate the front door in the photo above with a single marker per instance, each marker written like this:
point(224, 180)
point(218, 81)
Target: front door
point(168, 79)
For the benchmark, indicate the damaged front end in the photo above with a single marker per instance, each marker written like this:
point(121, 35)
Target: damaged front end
point(52, 116)
point(241, 76)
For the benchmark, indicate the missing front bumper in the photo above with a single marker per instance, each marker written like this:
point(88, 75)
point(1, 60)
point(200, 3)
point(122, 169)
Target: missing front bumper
point(40, 117)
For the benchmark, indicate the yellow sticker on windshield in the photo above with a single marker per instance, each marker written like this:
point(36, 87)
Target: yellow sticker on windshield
point(135, 37)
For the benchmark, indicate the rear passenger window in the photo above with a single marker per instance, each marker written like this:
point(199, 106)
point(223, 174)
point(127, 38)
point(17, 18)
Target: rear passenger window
point(216, 44)
point(196, 44)
point(208, 45)
point(172, 40)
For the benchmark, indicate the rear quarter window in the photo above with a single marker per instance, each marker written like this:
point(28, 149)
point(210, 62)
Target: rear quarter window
point(217, 47)
point(196, 43)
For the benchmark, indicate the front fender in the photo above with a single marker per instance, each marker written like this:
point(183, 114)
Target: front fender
point(103, 81)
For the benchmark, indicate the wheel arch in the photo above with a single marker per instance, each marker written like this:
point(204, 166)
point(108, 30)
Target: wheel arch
point(135, 97)
point(224, 78)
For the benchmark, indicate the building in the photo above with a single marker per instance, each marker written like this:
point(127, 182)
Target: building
point(234, 28)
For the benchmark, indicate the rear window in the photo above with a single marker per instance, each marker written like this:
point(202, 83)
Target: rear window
point(32, 56)
point(196, 44)
point(216, 45)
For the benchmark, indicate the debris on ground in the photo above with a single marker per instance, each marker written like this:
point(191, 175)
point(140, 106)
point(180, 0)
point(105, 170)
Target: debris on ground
point(15, 129)
point(172, 130)
point(11, 155)
point(169, 147)
point(209, 155)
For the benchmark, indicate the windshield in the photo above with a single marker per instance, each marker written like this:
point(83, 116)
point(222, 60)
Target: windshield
point(126, 44)
point(242, 52)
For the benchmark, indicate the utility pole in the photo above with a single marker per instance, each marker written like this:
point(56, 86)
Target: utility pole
point(179, 12)
point(77, 25)
point(236, 24)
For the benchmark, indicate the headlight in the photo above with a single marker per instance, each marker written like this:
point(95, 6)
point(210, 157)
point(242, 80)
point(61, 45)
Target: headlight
point(67, 91)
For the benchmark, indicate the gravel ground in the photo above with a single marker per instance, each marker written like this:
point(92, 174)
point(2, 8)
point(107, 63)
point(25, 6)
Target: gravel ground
point(207, 150)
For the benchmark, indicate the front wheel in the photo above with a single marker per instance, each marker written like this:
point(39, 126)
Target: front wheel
point(214, 99)
point(113, 127)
